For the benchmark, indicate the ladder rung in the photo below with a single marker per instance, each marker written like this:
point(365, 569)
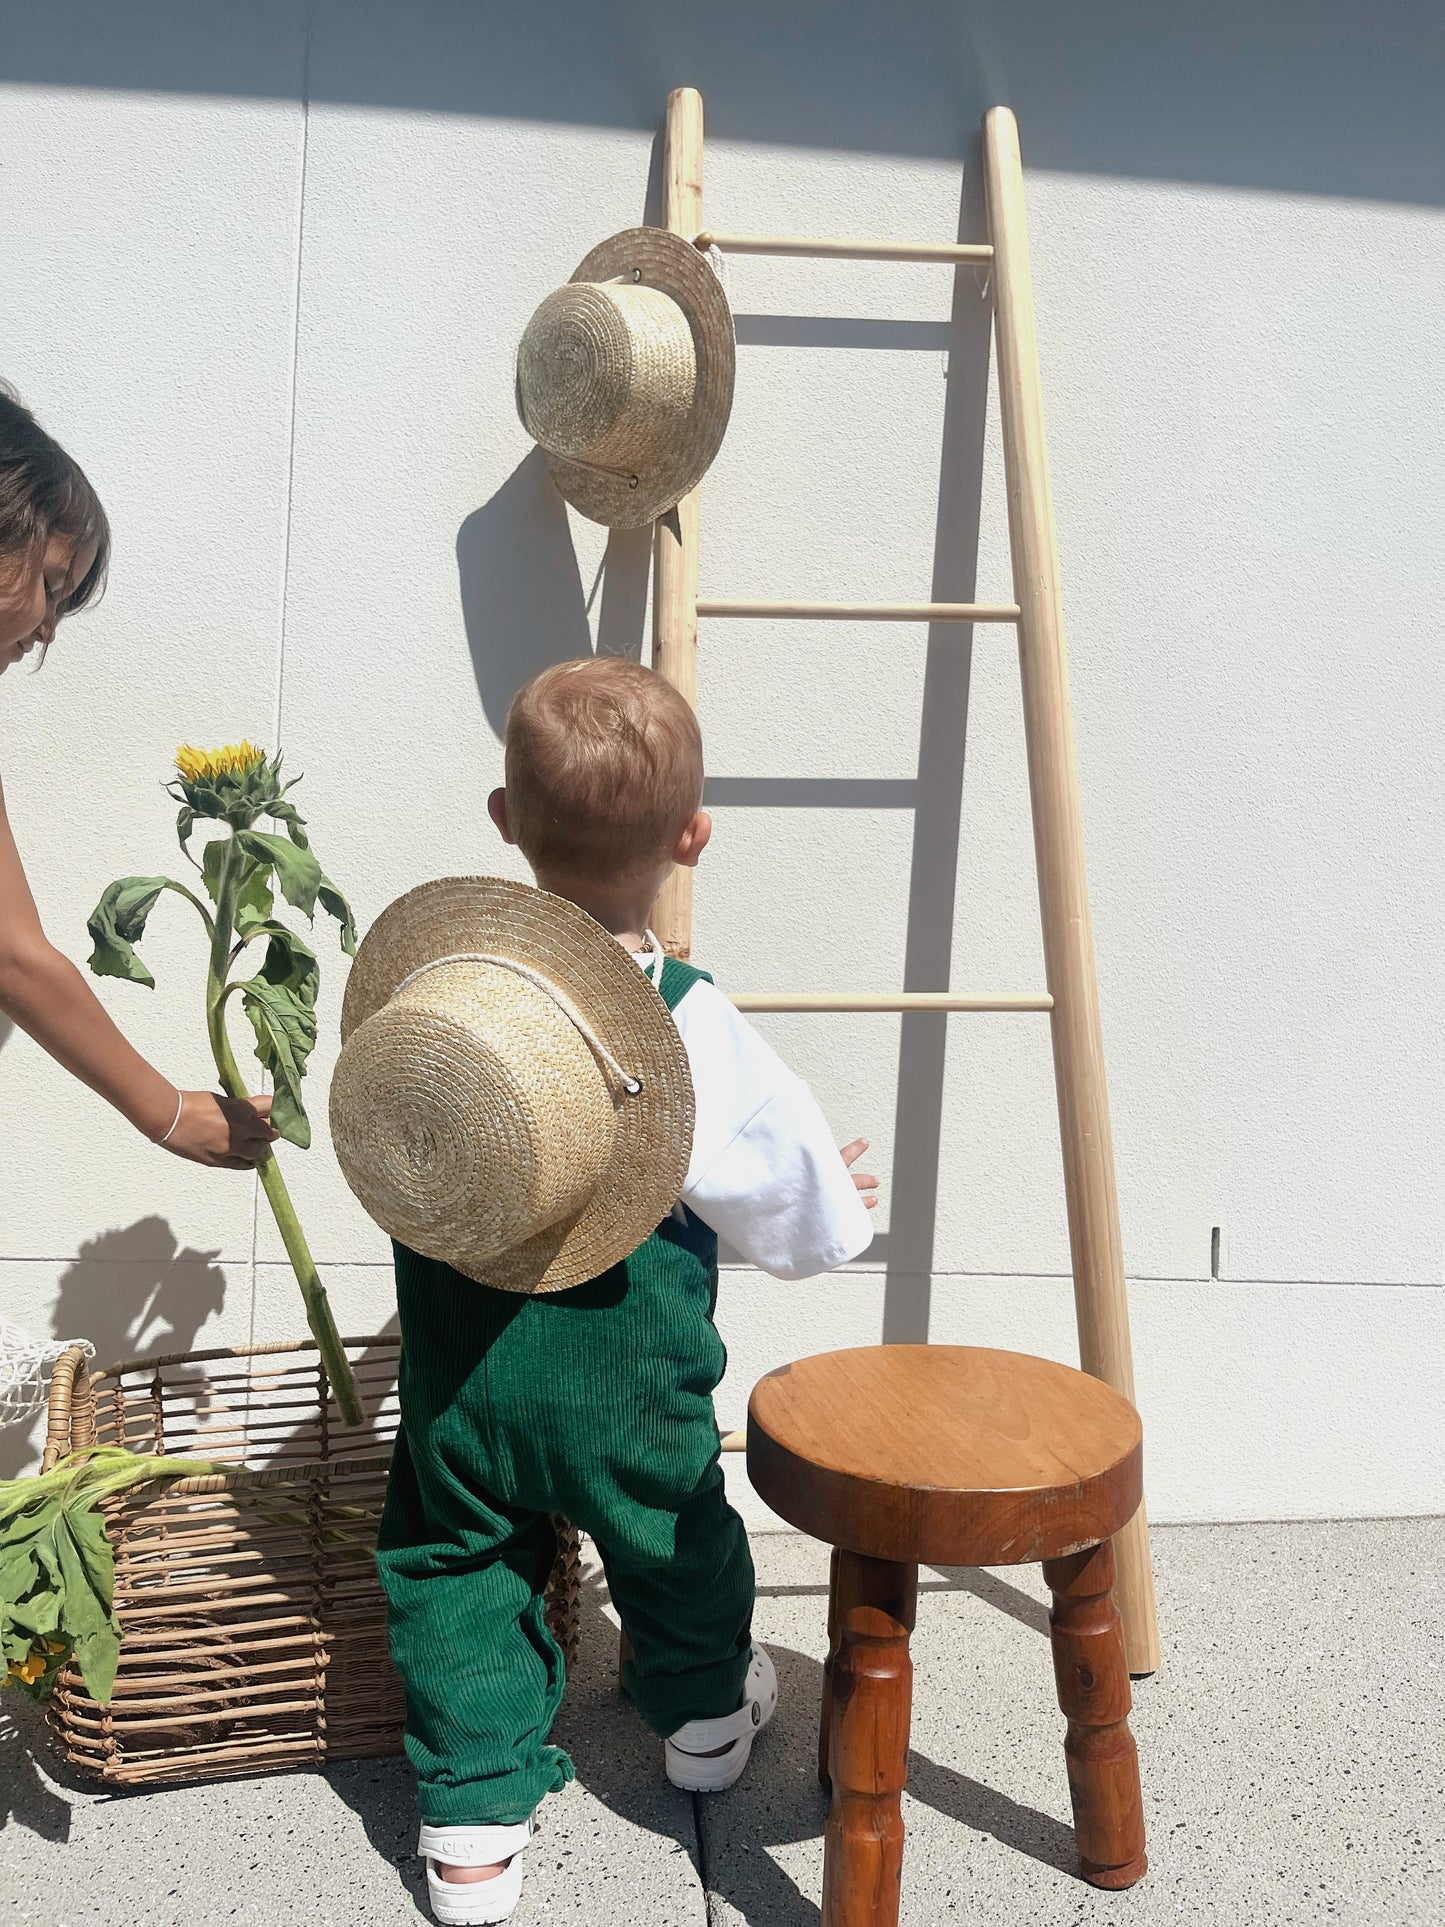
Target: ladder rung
point(864, 611)
point(734, 1441)
point(892, 1000)
point(952, 252)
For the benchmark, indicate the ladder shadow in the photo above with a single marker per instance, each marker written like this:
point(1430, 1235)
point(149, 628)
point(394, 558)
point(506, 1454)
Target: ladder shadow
point(938, 794)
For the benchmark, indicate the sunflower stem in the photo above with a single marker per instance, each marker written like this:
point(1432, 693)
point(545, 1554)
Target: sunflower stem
point(313, 1292)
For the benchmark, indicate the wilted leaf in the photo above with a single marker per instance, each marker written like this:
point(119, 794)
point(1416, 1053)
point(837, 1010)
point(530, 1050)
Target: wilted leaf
point(118, 923)
point(98, 1655)
point(91, 1541)
point(35, 1615)
point(332, 901)
point(281, 1004)
point(288, 814)
point(297, 871)
point(18, 1572)
point(83, 1610)
point(254, 903)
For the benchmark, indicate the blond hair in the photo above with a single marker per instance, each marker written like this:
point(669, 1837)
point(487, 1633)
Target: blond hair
point(604, 768)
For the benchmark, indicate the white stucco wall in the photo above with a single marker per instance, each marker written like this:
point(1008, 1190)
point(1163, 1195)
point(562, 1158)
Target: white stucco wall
point(268, 286)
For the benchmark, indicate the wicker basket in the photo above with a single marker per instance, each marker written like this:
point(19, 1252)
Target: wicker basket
point(255, 1628)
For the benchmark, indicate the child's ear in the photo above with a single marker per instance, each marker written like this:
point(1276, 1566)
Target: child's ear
point(693, 841)
point(497, 810)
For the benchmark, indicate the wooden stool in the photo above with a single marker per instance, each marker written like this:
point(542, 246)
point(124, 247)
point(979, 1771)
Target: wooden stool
point(899, 1453)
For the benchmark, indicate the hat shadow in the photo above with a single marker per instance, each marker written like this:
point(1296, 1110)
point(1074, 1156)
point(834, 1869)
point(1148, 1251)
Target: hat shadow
point(524, 602)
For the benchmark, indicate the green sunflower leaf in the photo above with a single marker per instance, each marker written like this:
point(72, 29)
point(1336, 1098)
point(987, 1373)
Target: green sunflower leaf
point(281, 1004)
point(118, 923)
point(332, 901)
point(297, 871)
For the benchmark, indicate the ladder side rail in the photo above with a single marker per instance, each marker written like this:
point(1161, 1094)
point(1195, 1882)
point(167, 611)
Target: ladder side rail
point(1100, 1295)
point(675, 535)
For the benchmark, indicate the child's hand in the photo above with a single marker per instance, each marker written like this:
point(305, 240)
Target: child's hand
point(865, 1182)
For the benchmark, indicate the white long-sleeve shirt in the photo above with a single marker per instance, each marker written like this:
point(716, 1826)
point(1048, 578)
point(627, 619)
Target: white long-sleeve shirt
point(765, 1173)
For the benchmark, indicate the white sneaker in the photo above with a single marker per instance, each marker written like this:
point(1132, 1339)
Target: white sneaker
point(475, 1903)
point(686, 1751)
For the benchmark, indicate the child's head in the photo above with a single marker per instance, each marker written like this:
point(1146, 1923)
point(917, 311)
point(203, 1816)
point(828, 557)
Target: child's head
point(604, 777)
point(54, 538)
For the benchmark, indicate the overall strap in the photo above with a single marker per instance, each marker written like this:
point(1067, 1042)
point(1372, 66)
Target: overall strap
point(677, 979)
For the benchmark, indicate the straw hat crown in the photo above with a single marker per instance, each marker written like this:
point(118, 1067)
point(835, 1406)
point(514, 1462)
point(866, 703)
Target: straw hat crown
point(512, 1095)
point(625, 376)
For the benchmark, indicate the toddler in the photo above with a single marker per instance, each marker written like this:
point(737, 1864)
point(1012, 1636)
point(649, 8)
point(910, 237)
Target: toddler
point(509, 1403)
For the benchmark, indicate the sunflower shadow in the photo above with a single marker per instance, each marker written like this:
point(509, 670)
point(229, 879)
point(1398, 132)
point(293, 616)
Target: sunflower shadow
point(134, 1291)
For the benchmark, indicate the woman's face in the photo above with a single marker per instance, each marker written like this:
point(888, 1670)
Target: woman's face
point(33, 589)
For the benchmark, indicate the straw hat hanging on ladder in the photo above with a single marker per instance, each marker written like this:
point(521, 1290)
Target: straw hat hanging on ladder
point(625, 377)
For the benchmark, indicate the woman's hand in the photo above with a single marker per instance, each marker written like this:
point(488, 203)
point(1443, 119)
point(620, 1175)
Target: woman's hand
point(231, 1132)
point(864, 1180)
point(45, 994)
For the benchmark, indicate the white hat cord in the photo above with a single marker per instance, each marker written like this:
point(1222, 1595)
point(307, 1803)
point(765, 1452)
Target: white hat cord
point(632, 1085)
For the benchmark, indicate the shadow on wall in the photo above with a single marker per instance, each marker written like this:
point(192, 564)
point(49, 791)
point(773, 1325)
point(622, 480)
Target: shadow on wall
point(7, 1031)
point(133, 1292)
point(522, 597)
point(524, 604)
point(523, 601)
point(1308, 96)
point(938, 796)
point(138, 1292)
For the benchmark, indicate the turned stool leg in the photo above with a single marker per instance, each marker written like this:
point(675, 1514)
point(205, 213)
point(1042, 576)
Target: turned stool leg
point(872, 1604)
point(1093, 1684)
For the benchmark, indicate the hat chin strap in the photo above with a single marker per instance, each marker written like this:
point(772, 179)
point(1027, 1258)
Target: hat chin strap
point(632, 1085)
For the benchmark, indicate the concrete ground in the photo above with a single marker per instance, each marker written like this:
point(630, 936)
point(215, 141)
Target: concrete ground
point(1293, 1749)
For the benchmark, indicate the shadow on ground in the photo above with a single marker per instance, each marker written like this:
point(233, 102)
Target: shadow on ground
point(619, 1762)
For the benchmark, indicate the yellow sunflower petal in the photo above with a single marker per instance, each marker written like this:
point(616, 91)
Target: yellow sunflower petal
point(231, 759)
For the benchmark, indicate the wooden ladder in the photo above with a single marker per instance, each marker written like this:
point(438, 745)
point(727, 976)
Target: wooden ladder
point(1072, 998)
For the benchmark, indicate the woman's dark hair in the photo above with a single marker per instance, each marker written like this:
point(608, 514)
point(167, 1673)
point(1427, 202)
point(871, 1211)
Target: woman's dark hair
point(45, 492)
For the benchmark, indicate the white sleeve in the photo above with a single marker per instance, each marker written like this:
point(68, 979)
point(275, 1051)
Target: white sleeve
point(765, 1171)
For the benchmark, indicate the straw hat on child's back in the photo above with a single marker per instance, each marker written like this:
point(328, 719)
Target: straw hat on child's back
point(625, 376)
point(512, 1095)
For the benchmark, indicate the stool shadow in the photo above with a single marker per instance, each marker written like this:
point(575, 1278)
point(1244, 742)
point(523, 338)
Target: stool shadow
point(993, 1591)
point(779, 1803)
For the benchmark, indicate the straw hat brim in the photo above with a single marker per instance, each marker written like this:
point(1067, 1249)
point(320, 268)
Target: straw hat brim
point(657, 258)
point(653, 1138)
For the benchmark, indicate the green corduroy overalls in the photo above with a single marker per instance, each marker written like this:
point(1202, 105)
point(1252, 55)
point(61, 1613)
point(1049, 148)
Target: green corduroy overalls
point(595, 1403)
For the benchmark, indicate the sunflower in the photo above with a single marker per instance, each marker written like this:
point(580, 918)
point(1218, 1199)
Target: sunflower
point(234, 784)
point(233, 759)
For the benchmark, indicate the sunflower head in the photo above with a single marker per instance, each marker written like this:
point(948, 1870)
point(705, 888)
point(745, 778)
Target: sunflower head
point(233, 759)
point(235, 783)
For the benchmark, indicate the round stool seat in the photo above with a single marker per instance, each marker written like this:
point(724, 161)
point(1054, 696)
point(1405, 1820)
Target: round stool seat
point(948, 1454)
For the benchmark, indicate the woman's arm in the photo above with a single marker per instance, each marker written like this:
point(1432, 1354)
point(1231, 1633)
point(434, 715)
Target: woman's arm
point(44, 993)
